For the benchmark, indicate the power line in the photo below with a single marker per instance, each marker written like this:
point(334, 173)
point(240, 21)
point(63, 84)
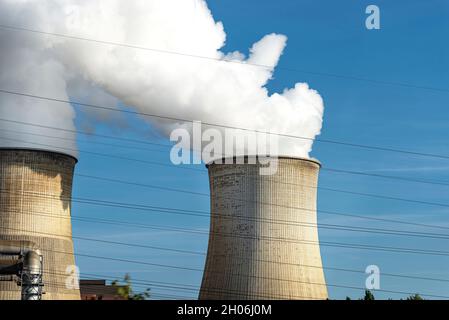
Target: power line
point(298, 223)
point(218, 290)
point(394, 275)
point(376, 175)
point(335, 227)
point(273, 204)
point(275, 279)
point(322, 243)
point(86, 133)
point(174, 286)
point(251, 276)
point(102, 154)
point(264, 238)
point(264, 203)
point(389, 249)
point(184, 268)
point(98, 202)
point(87, 290)
point(300, 208)
point(205, 214)
point(85, 141)
point(355, 145)
point(323, 168)
point(170, 286)
point(323, 267)
point(306, 242)
point(243, 63)
point(268, 261)
point(205, 194)
point(177, 287)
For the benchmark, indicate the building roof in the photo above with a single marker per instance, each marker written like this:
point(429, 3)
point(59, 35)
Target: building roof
point(97, 289)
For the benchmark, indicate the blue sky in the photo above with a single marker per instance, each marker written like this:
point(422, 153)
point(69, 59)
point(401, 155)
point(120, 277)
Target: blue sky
point(324, 37)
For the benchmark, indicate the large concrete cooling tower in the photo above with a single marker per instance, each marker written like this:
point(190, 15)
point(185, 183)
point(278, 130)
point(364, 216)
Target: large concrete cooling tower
point(263, 241)
point(35, 192)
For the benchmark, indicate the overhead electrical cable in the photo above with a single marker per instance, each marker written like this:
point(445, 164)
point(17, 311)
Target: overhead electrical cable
point(163, 117)
point(222, 60)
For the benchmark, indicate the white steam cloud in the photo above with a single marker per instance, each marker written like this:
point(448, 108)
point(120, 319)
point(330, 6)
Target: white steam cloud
point(157, 82)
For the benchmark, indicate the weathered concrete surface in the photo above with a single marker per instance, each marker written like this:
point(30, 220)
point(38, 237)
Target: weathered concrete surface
point(263, 241)
point(35, 193)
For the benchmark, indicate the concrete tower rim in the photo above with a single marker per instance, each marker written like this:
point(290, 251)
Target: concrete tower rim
point(313, 160)
point(39, 150)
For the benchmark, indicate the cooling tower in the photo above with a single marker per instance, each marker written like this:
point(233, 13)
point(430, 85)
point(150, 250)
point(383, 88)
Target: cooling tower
point(35, 193)
point(263, 241)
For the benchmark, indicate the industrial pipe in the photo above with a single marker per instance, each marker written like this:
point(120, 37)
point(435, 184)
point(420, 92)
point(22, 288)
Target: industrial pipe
point(28, 267)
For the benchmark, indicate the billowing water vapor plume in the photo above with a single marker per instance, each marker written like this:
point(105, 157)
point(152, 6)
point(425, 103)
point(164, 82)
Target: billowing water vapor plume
point(160, 81)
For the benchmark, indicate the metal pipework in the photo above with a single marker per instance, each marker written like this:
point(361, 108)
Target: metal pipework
point(8, 267)
point(27, 267)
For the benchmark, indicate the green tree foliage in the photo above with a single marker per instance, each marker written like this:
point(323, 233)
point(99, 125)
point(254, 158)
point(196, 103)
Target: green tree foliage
point(368, 295)
point(415, 297)
point(125, 290)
